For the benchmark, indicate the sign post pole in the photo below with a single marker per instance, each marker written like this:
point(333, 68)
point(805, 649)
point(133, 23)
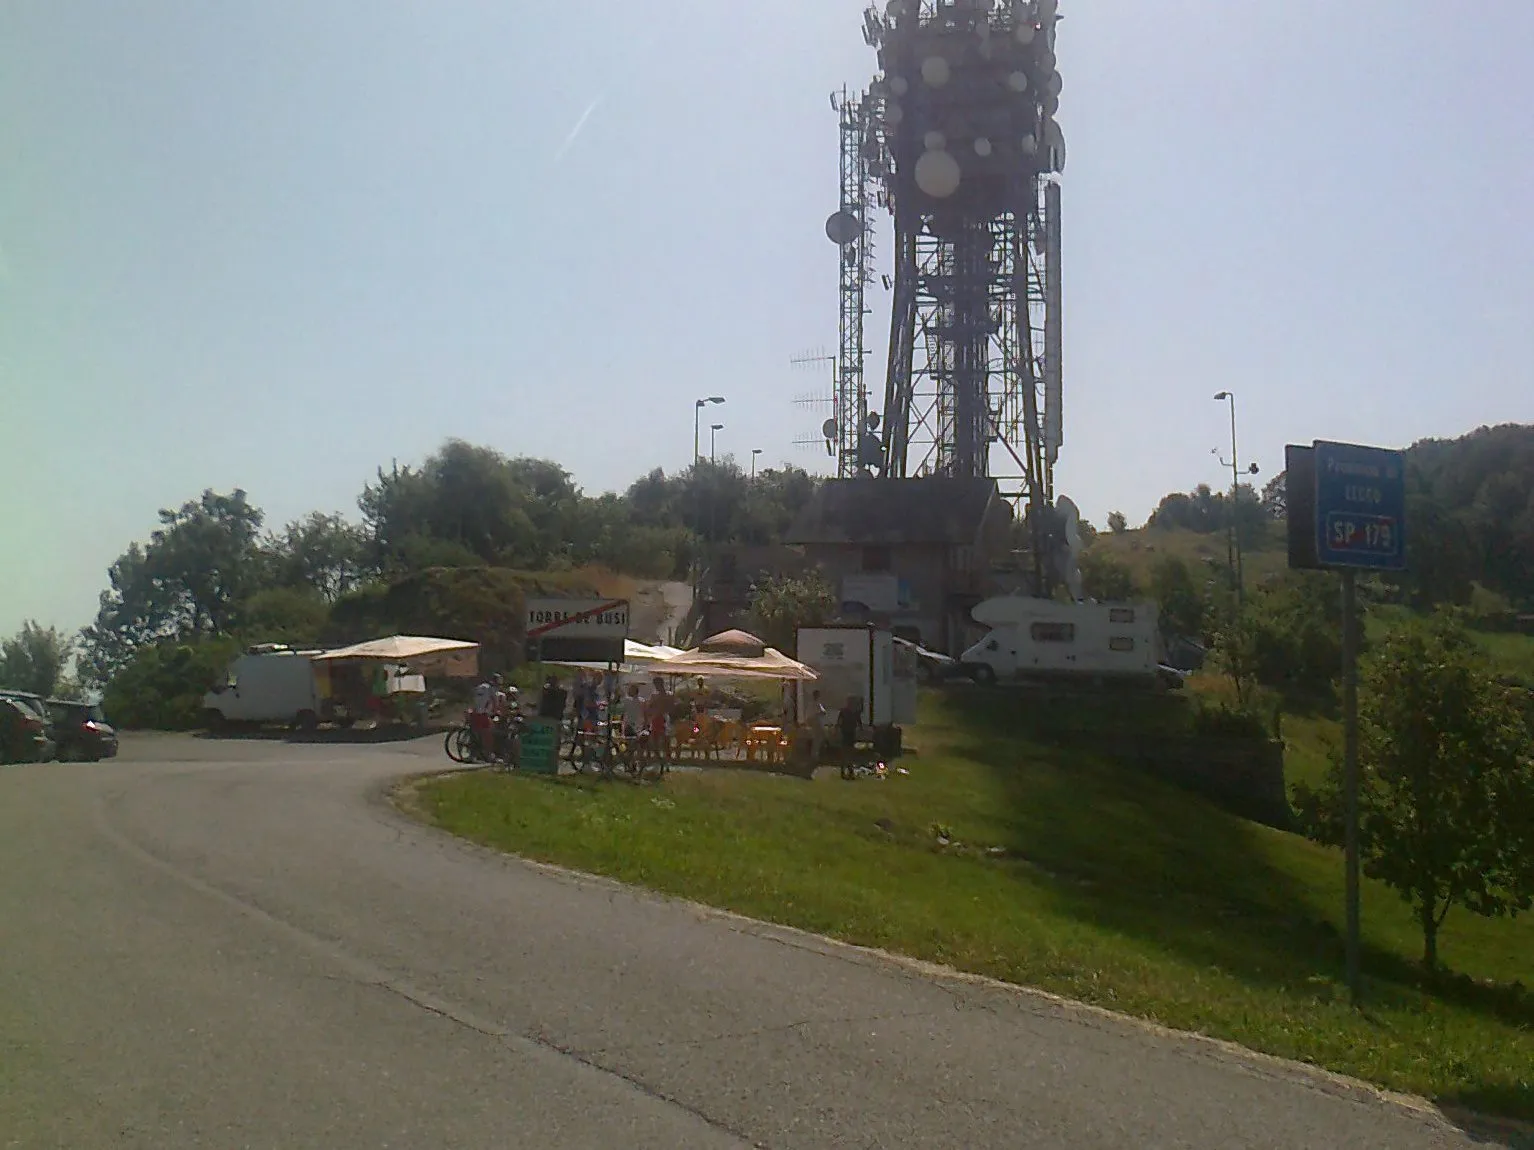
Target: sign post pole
point(1347, 513)
point(1350, 778)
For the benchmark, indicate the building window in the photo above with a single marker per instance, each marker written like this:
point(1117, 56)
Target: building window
point(876, 559)
point(1121, 644)
point(1053, 632)
point(1121, 615)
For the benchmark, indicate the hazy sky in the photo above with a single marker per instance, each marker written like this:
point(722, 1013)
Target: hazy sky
point(277, 243)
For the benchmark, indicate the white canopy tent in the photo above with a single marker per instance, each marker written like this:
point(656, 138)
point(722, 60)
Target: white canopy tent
point(735, 655)
point(637, 658)
point(453, 658)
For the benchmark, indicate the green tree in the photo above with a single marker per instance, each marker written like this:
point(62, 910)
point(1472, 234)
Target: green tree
point(298, 616)
point(781, 606)
point(1183, 606)
point(1237, 648)
point(1106, 578)
point(1296, 626)
point(1447, 781)
point(35, 659)
point(162, 685)
point(190, 579)
point(206, 554)
point(320, 552)
point(1275, 497)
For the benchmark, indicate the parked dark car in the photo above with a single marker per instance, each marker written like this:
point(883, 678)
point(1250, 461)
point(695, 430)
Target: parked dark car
point(24, 734)
point(81, 731)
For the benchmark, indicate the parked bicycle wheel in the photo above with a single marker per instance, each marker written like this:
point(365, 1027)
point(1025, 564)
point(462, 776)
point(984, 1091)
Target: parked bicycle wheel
point(459, 744)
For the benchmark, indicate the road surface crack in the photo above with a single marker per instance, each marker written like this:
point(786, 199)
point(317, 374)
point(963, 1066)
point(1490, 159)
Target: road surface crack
point(507, 1036)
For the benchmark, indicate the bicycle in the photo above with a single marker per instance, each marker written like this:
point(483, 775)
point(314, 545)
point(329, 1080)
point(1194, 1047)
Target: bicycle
point(589, 752)
point(464, 746)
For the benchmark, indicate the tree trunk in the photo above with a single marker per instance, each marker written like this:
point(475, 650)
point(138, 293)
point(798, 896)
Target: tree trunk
point(1429, 916)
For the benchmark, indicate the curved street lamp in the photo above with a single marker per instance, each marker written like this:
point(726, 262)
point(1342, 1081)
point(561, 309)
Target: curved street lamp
point(697, 410)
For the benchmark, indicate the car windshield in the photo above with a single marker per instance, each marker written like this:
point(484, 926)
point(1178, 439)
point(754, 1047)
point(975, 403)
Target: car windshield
point(29, 705)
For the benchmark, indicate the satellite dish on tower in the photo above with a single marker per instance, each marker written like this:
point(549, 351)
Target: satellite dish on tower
point(843, 228)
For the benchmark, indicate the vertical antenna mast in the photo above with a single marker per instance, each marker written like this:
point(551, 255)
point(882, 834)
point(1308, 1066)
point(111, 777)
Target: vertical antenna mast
point(849, 229)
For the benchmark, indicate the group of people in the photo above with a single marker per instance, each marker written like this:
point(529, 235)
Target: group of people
point(645, 716)
point(497, 705)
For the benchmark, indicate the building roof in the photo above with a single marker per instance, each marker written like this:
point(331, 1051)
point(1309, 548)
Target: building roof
point(894, 512)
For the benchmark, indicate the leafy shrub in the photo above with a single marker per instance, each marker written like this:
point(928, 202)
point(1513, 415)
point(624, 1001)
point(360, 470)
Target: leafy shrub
point(1218, 720)
point(162, 686)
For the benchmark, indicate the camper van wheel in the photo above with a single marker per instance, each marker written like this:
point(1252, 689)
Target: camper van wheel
point(985, 676)
point(308, 722)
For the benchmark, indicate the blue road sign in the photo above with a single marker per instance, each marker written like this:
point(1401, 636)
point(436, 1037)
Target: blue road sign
point(1360, 506)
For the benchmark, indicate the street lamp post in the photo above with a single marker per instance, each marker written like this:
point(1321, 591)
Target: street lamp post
point(697, 563)
point(1235, 498)
point(697, 410)
point(713, 438)
point(755, 451)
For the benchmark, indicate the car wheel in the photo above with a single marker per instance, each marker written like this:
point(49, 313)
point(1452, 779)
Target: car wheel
point(308, 722)
point(985, 675)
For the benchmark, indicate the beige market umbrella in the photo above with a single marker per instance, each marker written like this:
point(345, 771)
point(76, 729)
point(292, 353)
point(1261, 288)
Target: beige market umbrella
point(735, 654)
point(427, 655)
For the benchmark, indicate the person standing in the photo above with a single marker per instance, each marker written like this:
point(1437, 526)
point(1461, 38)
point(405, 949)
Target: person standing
point(633, 712)
point(817, 723)
point(551, 703)
point(482, 717)
point(657, 713)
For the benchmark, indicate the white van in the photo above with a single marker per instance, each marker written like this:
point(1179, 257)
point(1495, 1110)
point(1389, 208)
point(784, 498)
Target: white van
point(268, 684)
point(861, 663)
point(1043, 638)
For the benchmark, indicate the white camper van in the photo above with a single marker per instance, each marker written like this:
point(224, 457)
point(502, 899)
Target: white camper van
point(268, 684)
point(1042, 638)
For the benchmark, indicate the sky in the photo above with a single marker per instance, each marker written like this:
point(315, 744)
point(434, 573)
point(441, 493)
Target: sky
point(276, 244)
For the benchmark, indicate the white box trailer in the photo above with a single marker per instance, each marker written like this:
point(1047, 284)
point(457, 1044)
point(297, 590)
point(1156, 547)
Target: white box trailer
point(1043, 638)
point(862, 663)
point(269, 684)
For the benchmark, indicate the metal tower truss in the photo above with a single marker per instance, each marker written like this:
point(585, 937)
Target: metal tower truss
point(974, 346)
point(854, 442)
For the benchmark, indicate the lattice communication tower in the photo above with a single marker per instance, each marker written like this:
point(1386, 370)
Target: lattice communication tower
point(852, 432)
point(959, 139)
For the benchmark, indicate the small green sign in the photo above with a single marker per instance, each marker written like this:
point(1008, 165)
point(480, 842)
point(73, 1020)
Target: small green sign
point(540, 747)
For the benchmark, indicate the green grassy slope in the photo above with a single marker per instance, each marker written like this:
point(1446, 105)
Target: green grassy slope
point(1061, 872)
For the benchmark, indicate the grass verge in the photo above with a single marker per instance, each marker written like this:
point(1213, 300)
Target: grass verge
point(1034, 863)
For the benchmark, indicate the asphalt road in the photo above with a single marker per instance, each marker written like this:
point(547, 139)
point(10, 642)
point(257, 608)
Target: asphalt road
point(239, 944)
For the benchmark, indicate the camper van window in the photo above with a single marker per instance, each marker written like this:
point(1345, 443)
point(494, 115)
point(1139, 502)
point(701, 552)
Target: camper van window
point(1121, 644)
point(1121, 615)
point(993, 645)
point(1053, 632)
